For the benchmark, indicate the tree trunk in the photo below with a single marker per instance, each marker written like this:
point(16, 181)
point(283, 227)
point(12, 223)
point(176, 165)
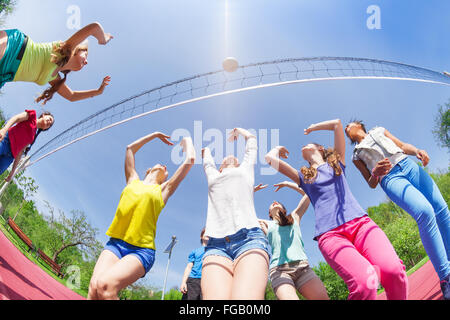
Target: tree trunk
point(65, 246)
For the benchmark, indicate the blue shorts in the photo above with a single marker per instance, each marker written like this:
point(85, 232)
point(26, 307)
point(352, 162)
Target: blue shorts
point(121, 249)
point(6, 157)
point(10, 63)
point(233, 246)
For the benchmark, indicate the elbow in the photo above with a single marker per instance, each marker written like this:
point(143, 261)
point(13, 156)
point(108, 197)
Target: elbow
point(338, 124)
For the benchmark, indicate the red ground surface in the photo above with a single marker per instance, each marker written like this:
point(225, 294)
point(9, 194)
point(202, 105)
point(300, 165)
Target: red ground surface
point(423, 285)
point(21, 279)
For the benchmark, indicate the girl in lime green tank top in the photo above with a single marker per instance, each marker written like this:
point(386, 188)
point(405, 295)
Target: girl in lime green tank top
point(129, 254)
point(22, 59)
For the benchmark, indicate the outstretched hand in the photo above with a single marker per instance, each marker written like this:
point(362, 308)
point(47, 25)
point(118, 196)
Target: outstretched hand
point(283, 152)
point(234, 135)
point(105, 82)
point(164, 138)
point(260, 187)
point(281, 185)
point(107, 38)
point(308, 130)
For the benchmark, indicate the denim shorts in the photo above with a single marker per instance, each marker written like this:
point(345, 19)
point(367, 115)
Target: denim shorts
point(233, 246)
point(6, 157)
point(121, 249)
point(9, 63)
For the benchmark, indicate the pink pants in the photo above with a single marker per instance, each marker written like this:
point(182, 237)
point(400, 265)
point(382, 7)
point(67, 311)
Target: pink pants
point(363, 256)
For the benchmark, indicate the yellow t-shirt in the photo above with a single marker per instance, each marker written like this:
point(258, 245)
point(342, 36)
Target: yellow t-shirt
point(137, 213)
point(36, 65)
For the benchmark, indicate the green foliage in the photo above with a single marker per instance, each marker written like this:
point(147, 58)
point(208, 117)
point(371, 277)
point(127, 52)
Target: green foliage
point(269, 294)
point(336, 287)
point(6, 8)
point(441, 129)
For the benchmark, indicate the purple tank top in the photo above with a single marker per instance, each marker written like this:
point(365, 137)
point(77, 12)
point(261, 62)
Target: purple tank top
point(333, 202)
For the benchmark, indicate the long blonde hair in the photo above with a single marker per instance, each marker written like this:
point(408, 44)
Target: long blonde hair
point(331, 157)
point(61, 54)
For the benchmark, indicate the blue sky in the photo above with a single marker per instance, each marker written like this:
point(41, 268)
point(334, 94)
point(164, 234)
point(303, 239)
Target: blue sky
point(157, 42)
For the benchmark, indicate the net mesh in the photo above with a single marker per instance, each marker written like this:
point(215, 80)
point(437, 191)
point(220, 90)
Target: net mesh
point(247, 77)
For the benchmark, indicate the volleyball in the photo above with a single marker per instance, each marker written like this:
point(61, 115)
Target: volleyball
point(230, 64)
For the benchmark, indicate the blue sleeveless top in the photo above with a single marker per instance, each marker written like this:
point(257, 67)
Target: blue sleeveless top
point(333, 202)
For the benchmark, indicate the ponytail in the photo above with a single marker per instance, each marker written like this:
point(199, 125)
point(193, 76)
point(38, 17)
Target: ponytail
point(47, 95)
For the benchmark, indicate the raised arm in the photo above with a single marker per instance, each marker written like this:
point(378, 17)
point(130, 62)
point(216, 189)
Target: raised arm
point(251, 147)
point(304, 201)
point(208, 164)
point(273, 158)
point(94, 29)
point(130, 170)
point(409, 149)
point(339, 135)
point(170, 186)
point(66, 92)
point(16, 119)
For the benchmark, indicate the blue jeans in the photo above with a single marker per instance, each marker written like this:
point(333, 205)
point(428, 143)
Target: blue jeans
point(6, 157)
point(234, 245)
point(121, 248)
point(412, 188)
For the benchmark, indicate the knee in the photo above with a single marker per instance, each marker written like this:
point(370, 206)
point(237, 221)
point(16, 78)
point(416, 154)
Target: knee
point(394, 273)
point(105, 290)
point(364, 287)
point(425, 215)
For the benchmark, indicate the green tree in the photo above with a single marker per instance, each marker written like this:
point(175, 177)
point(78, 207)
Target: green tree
point(28, 187)
point(441, 129)
point(336, 287)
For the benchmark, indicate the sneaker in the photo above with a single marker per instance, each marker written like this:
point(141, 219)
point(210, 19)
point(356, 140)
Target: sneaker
point(445, 287)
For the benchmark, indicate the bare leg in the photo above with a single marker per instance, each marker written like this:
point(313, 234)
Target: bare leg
point(106, 260)
point(314, 290)
point(217, 278)
point(286, 292)
point(126, 271)
point(3, 43)
point(250, 275)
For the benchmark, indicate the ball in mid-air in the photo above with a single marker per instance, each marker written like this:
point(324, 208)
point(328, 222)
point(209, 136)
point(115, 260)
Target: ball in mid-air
point(230, 64)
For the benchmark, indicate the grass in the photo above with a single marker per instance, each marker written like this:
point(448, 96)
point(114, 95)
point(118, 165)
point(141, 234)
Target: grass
point(18, 243)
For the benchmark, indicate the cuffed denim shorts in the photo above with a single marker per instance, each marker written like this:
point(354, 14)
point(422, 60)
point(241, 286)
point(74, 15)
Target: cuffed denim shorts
point(121, 249)
point(6, 157)
point(233, 246)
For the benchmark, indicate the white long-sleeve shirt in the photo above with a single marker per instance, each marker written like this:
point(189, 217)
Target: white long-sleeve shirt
point(230, 194)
